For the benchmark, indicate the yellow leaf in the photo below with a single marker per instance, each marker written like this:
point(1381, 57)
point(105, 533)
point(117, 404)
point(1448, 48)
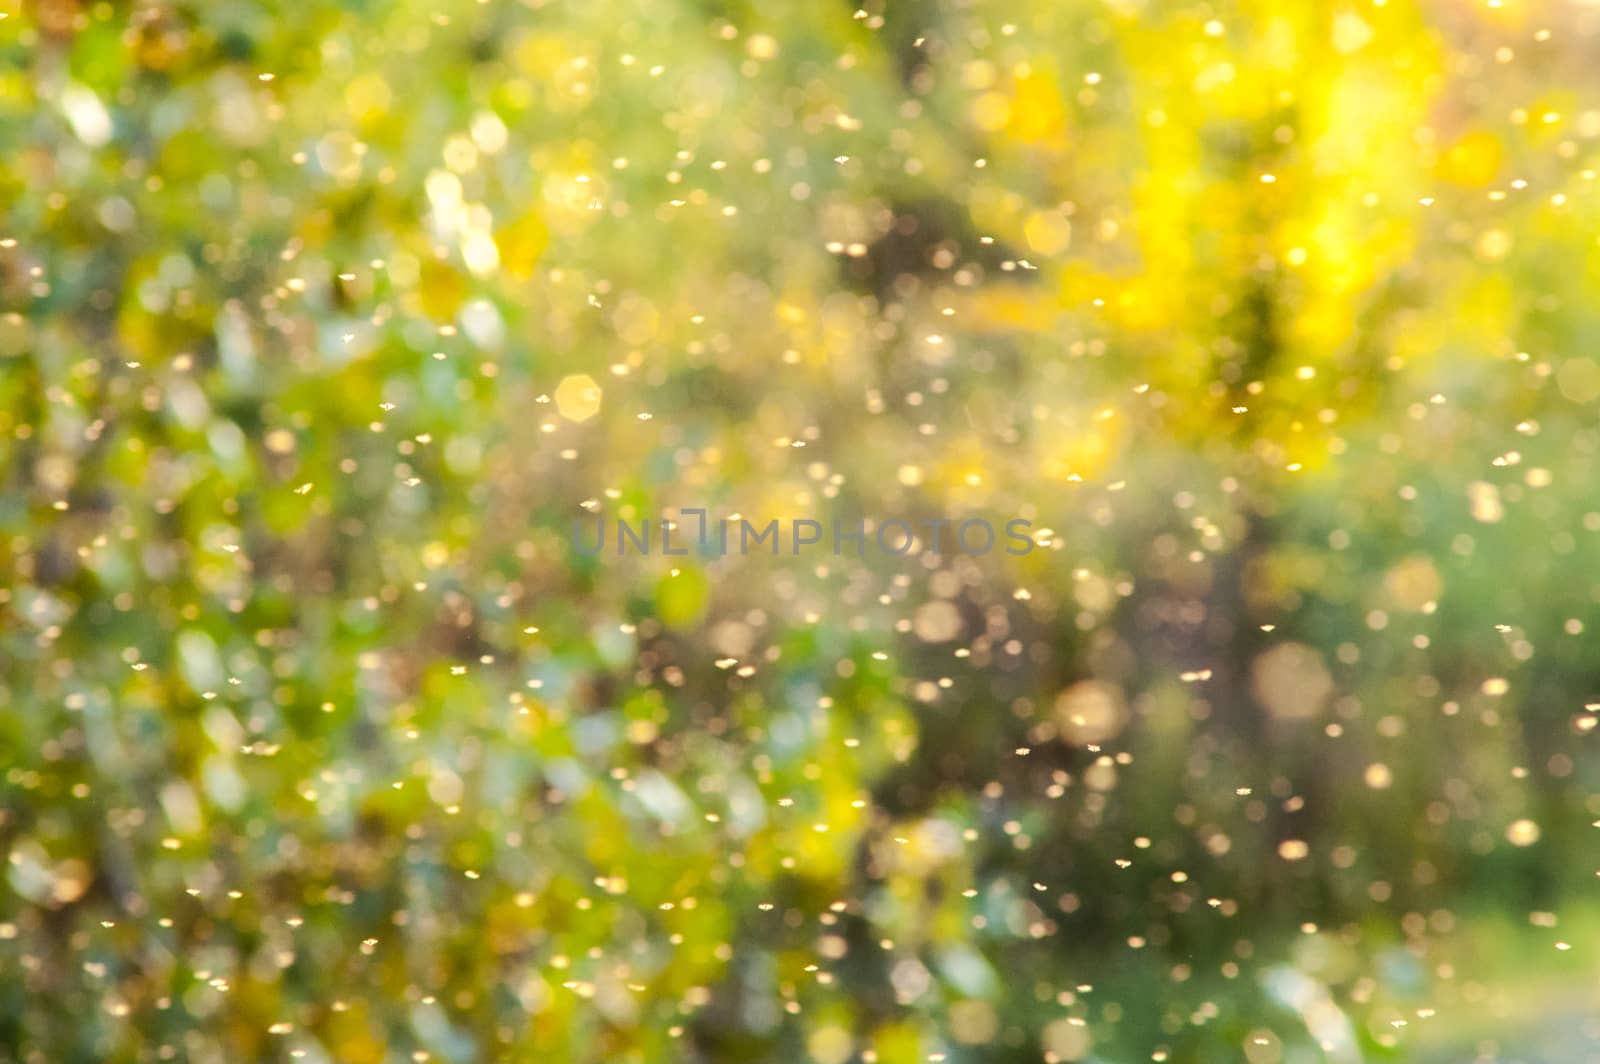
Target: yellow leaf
point(1037, 113)
point(441, 290)
point(521, 243)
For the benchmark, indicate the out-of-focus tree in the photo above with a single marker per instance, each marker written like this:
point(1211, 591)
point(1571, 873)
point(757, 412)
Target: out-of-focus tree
point(320, 325)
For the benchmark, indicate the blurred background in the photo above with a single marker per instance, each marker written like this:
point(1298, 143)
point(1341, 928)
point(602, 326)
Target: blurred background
point(320, 323)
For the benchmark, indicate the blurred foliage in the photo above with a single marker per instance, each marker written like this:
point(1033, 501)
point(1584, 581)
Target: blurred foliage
point(321, 323)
